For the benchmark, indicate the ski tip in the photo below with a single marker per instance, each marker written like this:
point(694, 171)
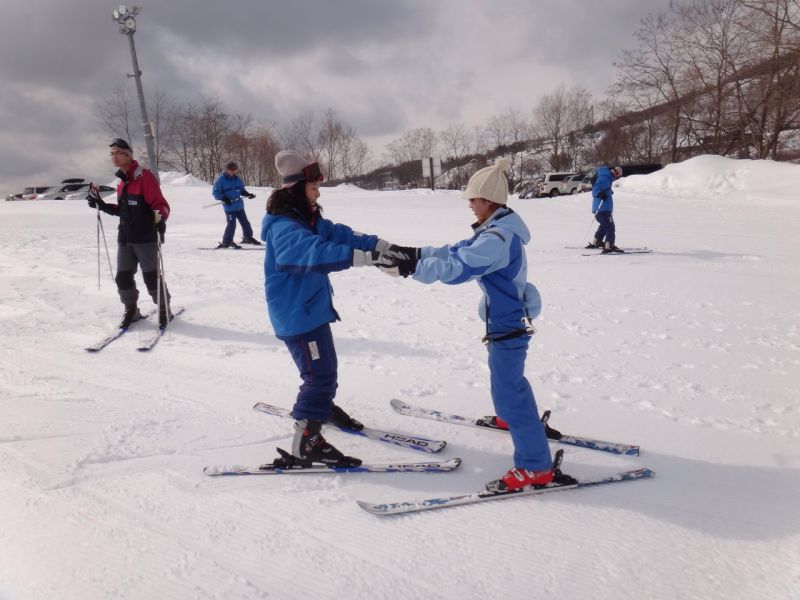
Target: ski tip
point(398, 405)
point(374, 509)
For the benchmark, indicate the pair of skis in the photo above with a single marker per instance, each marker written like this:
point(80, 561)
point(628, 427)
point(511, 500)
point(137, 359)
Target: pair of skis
point(146, 344)
point(640, 250)
point(426, 445)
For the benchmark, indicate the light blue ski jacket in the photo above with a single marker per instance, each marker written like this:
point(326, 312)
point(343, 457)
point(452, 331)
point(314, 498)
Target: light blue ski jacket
point(495, 257)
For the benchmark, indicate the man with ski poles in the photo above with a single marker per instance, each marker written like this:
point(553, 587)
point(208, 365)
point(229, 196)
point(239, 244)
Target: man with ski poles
point(142, 212)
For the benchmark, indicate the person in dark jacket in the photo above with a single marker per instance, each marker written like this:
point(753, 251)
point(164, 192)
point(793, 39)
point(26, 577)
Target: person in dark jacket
point(229, 189)
point(143, 213)
point(603, 207)
point(302, 248)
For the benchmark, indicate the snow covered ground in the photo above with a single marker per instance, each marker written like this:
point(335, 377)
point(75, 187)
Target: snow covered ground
point(692, 351)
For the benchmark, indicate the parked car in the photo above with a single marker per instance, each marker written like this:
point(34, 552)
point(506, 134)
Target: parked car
point(60, 191)
point(528, 189)
point(548, 186)
point(29, 193)
point(80, 194)
point(571, 185)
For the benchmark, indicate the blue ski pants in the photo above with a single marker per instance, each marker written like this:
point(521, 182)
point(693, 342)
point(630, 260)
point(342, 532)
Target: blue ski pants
point(515, 403)
point(315, 357)
point(607, 230)
point(230, 228)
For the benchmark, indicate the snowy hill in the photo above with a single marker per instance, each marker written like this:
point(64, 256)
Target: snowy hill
point(692, 352)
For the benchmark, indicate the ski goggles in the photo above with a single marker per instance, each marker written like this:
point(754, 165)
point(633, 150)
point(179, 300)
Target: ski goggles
point(310, 172)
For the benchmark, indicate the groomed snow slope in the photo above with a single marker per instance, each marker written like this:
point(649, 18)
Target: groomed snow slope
point(692, 351)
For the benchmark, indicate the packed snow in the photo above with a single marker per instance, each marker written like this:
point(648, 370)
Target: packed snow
point(692, 352)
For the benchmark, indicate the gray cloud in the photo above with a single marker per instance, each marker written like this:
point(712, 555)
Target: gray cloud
point(385, 66)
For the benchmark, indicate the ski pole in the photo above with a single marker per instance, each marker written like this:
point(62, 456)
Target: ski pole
point(101, 229)
point(162, 281)
point(591, 222)
point(212, 204)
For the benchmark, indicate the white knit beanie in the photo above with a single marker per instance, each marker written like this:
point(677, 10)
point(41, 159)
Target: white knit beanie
point(490, 183)
point(290, 164)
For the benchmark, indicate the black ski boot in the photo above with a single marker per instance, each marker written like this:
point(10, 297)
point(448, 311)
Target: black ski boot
point(233, 245)
point(130, 317)
point(310, 447)
point(617, 250)
point(596, 244)
point(342, 419)
point(250, 240)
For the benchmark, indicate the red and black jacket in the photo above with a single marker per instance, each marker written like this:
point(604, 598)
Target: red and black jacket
point(138, 195)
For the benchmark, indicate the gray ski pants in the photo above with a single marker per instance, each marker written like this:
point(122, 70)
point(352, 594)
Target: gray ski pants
point(129, 257)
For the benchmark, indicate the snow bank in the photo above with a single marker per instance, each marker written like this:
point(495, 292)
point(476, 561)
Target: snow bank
point(181, 179)
point(717, 176)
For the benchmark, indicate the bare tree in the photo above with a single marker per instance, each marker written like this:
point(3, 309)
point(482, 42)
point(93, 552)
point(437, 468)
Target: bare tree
point(656, 66)
point(509, 132)
point(113, 113)
point(456, 143)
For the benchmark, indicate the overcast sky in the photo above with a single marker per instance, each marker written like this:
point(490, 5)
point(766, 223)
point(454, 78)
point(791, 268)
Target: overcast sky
point(386, 66)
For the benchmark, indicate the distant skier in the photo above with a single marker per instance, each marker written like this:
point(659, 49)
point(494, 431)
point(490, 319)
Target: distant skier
point(495, 257)
point(603, 207)
point(142, 212)
point(229, 189)
point(302, 248)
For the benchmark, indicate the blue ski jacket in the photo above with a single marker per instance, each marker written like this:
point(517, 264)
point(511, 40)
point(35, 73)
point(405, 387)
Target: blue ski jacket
point(297, 261)
point(229, 188)
point(602, 183)
point(495, 257)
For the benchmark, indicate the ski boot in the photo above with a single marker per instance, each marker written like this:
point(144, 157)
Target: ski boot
point(130, 317)
point(250, 240)
point(310, 447)
point(342, 419)
point(233, 245)
point(517, 479)
point(594, 245)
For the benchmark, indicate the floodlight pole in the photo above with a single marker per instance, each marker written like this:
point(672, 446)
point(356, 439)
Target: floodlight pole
point(148, 130)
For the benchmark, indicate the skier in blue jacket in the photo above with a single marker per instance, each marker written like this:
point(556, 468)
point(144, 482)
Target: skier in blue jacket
point(302, 248)
point(603, 207)
point(229, 189)
point(495, 257)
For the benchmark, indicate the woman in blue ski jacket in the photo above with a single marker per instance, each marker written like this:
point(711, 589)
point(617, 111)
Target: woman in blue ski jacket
point(302, 248)
point(603, 207)
point(495, 257)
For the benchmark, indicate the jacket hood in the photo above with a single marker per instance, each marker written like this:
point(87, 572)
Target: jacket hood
point(505, 218)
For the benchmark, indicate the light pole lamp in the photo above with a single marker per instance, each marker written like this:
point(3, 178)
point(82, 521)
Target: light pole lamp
point(126, 18)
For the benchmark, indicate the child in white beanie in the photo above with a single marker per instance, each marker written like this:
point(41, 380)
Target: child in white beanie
point(495, 257)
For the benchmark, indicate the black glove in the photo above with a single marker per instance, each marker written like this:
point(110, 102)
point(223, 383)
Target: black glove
point(602, 195)
point(94, 201)
point(226, 201)
point(161, 228)
point(251, 196)
point(247, 194)
point(397, 263)
point(409, 251)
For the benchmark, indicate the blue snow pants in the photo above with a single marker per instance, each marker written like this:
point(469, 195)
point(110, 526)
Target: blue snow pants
point(230, 228)
point(515, 404)
point(315, 357)
point(607, 228)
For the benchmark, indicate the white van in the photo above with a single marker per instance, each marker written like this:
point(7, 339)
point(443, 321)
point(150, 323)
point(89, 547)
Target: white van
point(550, 182)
